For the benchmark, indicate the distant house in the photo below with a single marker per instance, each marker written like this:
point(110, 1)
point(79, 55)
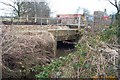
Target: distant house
point(106, 20)
point(70, 18)
point(100, 19)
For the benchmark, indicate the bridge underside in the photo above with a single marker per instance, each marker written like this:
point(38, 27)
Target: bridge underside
point(66, 37)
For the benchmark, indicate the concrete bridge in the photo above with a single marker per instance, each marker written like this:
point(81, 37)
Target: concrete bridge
point(65, 35)
point(59, 34)
point(62, 34)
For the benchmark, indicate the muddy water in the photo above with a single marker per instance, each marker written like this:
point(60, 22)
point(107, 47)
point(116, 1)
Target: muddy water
point(63, 49)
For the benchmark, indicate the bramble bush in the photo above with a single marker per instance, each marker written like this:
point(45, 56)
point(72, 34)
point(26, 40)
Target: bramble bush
point(87, 61)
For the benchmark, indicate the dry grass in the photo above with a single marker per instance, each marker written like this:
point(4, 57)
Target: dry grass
point(37, 27)
point(22, 52)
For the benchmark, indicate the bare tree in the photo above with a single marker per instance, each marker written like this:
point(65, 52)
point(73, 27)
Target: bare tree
point(37, 9)
point(16, 6)
point(29, 9)
point(115, 3)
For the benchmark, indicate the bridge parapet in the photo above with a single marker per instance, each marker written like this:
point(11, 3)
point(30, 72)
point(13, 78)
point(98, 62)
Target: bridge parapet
point(59, 34)
point(63, 34)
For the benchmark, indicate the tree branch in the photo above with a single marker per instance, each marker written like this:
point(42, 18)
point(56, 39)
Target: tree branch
point(9, 5)
point(112, 3)
point(115, 4)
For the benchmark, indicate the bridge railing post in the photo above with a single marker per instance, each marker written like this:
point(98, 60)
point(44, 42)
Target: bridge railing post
point(79, 19)
point(41, 21)
point(57, 22)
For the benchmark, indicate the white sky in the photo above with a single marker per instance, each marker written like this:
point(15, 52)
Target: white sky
point(70, 6)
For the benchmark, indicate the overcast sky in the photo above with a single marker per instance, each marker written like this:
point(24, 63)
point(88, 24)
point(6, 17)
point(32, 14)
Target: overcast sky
point(71, 6)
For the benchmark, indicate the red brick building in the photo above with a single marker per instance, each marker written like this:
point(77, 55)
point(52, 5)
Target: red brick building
point(101, 20)
point(69, 18)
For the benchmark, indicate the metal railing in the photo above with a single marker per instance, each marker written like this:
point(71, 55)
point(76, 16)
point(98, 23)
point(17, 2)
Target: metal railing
point(42, 21)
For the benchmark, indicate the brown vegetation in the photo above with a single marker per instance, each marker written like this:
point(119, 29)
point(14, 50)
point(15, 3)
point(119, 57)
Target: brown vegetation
point(20, 53)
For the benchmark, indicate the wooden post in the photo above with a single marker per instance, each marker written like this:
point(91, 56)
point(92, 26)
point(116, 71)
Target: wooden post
point(119, 6)
point(57, 22)
point(41, 21)
point(35, 18)
point(27, 17)
point(79, 19)
point(47, 21)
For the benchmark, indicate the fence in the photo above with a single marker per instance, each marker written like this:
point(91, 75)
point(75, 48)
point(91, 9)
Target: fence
point(40, 21)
